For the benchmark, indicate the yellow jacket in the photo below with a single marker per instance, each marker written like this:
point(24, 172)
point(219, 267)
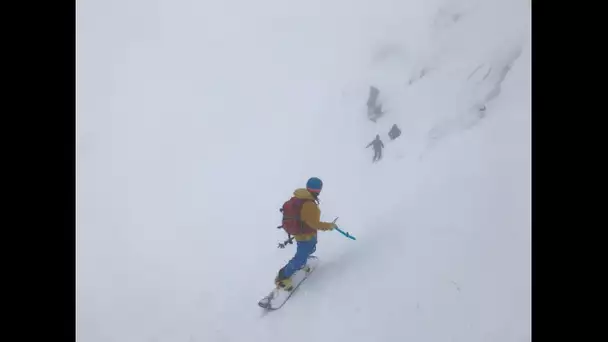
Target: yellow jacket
point(311, 215)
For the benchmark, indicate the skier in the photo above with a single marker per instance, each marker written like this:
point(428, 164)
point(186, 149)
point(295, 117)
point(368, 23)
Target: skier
point(394, 133)
point(307, 217)
point(378, 146)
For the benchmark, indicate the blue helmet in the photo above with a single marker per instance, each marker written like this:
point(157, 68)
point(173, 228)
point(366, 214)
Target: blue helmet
point(314, 184)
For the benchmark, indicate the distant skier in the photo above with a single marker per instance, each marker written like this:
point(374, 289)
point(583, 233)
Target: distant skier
point(301, 218)
point(378, 146)
point(394, 133)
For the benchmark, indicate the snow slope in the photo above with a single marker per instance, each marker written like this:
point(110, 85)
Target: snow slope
point(196, 120)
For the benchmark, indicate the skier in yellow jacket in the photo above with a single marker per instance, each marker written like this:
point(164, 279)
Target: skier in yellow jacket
point(309, 215)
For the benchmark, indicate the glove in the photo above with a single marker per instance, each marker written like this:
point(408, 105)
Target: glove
point(332, 226)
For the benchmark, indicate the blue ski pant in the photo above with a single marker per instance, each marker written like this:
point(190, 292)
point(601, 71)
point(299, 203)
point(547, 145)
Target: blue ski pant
point(305, 249)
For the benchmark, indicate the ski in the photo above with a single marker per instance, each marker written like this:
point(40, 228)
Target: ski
point(278, 297)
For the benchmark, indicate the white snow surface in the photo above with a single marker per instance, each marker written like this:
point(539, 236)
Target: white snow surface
point(196, 120)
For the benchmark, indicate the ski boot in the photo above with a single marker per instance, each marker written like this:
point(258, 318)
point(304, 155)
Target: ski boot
point(283, 282)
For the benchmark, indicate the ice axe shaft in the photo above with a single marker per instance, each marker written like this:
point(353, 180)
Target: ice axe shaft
point(347, 234)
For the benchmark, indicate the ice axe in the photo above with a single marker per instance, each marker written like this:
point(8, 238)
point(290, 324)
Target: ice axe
point(347, 234)
point(289, 241)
